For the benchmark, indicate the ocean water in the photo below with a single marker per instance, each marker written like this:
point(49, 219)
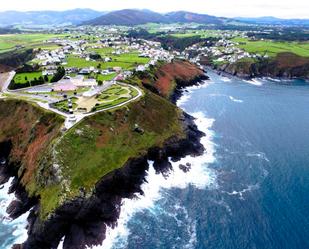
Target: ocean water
point(11, 231)
point(250, 189)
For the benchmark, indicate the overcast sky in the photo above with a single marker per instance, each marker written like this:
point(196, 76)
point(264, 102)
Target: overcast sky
point(228, 8)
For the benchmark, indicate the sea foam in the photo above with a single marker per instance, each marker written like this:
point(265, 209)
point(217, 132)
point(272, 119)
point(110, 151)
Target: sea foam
point(255, 82)
point(17, 226)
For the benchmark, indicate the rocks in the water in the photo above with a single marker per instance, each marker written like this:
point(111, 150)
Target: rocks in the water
point(185, 168)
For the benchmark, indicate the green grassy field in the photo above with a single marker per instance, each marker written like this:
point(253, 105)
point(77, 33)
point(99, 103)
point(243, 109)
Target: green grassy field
point(201, 33)
point(9, 42)
point(125, 61)
point(21, 78)
point(131, 58)
point(74, 61)
point(89, 151)
point(106, 77)
point(106, 51)
point(273, 48)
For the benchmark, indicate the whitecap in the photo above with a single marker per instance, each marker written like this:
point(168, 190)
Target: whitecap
point(241, 193)
point(236, 100)
point(260, 155)
point(225, 79)
point(255, 82)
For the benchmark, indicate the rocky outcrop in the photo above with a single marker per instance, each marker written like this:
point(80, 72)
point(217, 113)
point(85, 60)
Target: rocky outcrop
point(170, 78)
point(285, 65)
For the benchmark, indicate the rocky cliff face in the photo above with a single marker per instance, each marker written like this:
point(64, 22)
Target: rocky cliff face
point(170, 78)
point(26, 132)
point(286, 65)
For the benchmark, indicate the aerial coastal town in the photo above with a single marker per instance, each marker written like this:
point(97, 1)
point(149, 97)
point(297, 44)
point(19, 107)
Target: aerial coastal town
point(106, 115)
point(82, 70)
point(77, 75)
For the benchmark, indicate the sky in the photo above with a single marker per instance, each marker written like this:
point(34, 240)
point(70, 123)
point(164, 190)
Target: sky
point(228, 8)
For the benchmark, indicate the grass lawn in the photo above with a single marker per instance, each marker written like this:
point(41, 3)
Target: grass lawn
point(272, 48)
point(125, 61)
point(20, 78)
point(106, 51)
point(106, 77)
point(74, 61)
point(131, 58)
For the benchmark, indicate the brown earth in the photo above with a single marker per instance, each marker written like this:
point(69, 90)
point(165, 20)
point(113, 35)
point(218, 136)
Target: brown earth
point(31, 131)
point(168, 76)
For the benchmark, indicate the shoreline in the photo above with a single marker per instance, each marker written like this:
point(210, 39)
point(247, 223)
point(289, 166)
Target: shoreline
point(230, 75)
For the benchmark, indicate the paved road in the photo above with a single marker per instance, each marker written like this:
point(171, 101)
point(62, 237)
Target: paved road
point(7, 82)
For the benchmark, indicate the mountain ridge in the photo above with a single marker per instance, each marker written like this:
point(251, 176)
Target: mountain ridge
point(130, 17)
point(47, 17)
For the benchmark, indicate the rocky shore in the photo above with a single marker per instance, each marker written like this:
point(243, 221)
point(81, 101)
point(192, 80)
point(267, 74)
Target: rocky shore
point(285, 65)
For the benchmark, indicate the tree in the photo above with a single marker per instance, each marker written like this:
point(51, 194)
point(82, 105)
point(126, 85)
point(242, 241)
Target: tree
point(99, 66)
point(58, 75)
point(46, 78)
point(26, 78)
point(100, 82)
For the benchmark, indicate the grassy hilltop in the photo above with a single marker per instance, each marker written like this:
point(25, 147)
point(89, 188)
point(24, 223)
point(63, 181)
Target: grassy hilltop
point(56, 166)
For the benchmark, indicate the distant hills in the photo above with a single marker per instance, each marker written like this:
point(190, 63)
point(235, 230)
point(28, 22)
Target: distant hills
point(129, 17)
point(137, 17)
point(76, 16)
point(269, 20)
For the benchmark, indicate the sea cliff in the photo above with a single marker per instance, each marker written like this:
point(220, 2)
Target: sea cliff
point(284, 65)
point(74, 182)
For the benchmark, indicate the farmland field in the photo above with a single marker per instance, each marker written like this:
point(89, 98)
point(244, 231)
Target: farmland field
point(201, 33)
point(273, 48)
point(125, 61)
point(9, 42)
